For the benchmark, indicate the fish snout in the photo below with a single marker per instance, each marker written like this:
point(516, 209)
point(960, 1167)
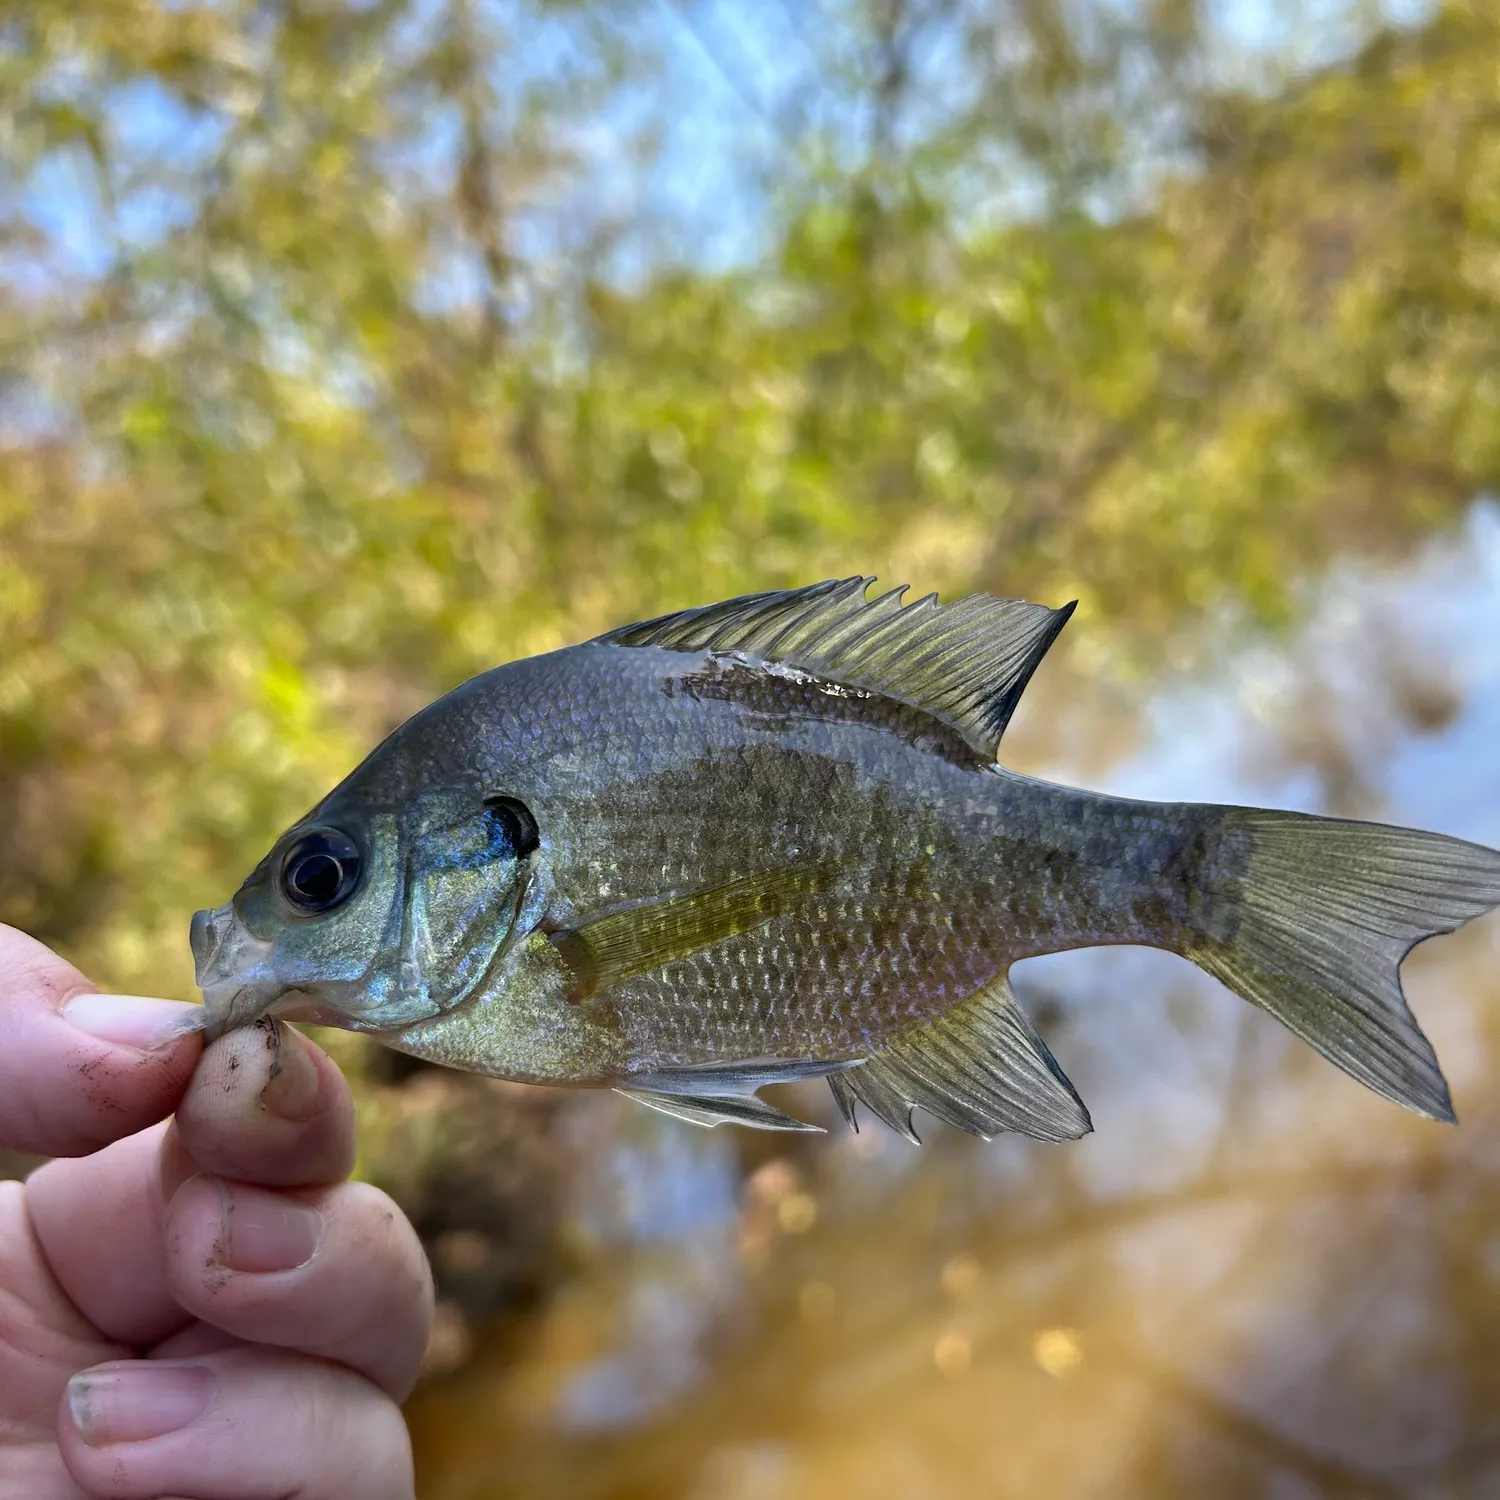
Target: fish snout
point(229, 964)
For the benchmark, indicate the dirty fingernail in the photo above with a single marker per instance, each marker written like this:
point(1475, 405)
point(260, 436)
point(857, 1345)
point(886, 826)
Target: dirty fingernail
point(294, 1087)
point(132, 1020)
point(267, 1231)
point(129, 1403)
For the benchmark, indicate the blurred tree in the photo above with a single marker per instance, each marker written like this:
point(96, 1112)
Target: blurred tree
point(347, 373)
point(348, 347)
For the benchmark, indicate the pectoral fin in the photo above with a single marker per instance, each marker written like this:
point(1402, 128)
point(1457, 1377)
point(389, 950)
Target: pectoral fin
point(637, 939)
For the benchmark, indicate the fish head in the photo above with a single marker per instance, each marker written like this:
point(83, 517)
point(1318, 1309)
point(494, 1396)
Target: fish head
point(370, 920)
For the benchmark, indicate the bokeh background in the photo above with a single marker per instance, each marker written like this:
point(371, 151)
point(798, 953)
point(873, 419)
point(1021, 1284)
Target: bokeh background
point(349, 347)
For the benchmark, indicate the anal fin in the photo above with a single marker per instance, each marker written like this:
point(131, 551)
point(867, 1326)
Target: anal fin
point(981, 1067)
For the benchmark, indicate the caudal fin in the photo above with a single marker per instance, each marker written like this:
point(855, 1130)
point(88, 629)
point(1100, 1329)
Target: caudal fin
point(1310, 919)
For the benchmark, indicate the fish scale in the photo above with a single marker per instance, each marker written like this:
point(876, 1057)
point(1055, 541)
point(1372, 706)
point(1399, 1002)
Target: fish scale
point(769, 839)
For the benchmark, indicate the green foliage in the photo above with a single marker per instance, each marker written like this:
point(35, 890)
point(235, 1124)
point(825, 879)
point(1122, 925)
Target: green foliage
point(352, 395)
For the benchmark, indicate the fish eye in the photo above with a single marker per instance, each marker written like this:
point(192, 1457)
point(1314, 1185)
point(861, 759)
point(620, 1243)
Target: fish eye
point(320, 871)
point(513, 821)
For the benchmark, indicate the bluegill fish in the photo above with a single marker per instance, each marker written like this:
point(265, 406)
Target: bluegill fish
point(768, 840)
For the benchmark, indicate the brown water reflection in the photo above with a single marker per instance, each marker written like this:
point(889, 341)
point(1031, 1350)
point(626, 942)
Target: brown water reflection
point(1255, 1279)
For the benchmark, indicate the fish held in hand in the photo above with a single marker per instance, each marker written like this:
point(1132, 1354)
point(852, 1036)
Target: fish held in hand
point(768, 840)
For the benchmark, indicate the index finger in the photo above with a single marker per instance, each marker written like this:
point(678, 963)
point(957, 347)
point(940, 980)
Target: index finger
point(79, 1069)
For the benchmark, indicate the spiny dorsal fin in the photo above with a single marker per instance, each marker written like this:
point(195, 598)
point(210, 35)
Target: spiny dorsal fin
point(982, 1067)
point(965, 663)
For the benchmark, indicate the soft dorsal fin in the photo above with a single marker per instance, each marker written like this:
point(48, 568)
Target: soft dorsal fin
point(965, 663)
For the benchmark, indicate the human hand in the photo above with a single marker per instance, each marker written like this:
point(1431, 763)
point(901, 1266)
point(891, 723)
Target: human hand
point(203, 1307)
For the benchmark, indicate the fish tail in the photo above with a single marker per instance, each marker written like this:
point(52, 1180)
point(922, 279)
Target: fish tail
point(1310, 919)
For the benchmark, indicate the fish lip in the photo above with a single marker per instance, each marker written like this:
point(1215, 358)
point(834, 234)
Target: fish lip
point(206, 934)
point(228, 963)
point(201, 939)
point(231, 1009)
point(253, 1002)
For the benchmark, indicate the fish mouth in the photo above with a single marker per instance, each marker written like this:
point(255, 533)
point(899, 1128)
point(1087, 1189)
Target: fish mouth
point(229, 965)
point(252, 1003)
point(231, 1010)
point(206, 938)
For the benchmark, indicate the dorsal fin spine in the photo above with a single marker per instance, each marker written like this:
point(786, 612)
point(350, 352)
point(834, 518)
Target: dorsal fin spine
point(847, 588)
point(965, 663)
point(883, 611)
